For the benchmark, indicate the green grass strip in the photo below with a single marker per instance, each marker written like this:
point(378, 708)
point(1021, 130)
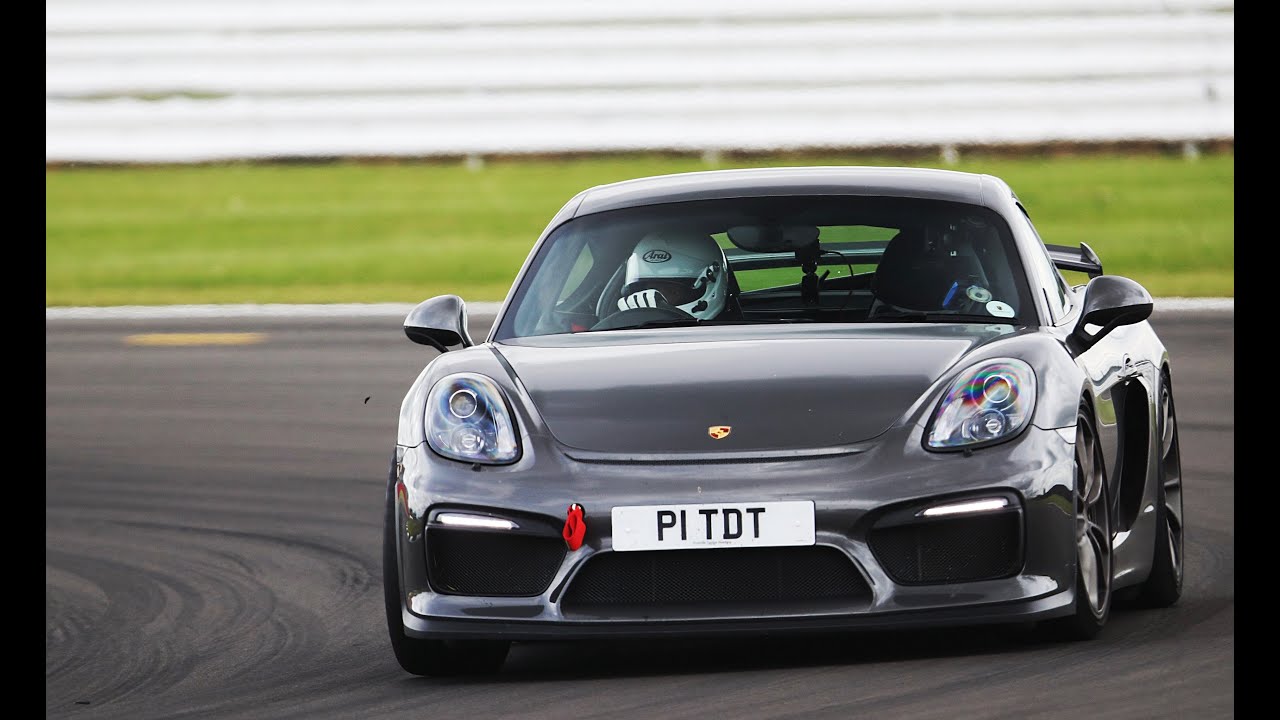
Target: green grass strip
point(401, 232)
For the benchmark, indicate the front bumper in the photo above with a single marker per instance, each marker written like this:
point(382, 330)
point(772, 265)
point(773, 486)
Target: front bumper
point(852, 494)
point(1043, 608)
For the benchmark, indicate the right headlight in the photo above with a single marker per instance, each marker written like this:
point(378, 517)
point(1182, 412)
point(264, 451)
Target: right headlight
point(467, 420)
point(989, 402)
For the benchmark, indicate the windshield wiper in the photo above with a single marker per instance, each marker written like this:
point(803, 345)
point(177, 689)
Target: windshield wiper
point(944, 317)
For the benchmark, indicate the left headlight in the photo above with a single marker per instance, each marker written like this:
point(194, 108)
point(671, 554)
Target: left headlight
point(988, 403)
point(468, 420)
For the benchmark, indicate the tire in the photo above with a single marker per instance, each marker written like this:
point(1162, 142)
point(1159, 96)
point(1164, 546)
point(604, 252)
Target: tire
point(1093, 540)
point(1163, 586)
point(428, 657)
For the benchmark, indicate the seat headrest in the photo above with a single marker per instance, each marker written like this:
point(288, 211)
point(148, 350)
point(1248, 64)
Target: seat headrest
point(916, 275)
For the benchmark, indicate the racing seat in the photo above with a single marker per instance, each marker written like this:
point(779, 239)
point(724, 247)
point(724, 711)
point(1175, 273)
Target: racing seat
point(916, 274)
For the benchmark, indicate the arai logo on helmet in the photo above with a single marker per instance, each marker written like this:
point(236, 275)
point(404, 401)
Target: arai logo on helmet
point(656, 256)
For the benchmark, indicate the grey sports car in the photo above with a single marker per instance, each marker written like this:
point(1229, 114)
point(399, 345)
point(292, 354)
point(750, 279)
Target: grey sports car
point(795, 399)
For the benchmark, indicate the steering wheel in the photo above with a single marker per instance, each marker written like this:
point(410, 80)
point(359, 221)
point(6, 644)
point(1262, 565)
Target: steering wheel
point(638, 316)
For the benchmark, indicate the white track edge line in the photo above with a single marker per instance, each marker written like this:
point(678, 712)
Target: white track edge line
point(184, 312)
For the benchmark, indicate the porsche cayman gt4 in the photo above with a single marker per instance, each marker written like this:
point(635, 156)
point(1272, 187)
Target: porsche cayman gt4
point(803, 399)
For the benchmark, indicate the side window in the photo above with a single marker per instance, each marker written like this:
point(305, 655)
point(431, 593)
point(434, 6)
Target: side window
point(577, 273)
point(1049, 281)
point(534, 313)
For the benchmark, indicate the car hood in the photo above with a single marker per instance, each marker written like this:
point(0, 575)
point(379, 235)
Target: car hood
point(651, 393)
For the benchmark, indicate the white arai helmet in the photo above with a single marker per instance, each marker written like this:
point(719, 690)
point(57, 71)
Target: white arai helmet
point(688, 269)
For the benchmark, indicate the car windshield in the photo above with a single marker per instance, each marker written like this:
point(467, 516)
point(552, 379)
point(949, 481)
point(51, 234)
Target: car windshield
point(792, 259)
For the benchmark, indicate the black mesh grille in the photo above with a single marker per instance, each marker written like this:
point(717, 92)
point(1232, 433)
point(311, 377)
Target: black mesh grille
point(721, 576)
point(953, 550)
point(469, 562)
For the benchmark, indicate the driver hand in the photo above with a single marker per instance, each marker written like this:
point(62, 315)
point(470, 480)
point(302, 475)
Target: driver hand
point(642, 299)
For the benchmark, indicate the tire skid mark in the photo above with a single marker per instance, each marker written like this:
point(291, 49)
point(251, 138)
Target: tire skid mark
point(354, 572)
point(124, 657)
point(230, 509)
point(72, 605)
point(211, 610)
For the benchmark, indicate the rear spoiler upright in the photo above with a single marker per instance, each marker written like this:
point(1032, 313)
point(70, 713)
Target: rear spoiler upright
point(1082, 259)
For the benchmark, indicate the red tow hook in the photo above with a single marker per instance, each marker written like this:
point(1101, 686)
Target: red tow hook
point(575, 528)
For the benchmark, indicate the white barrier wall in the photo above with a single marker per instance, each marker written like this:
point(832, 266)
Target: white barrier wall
point(193, 80)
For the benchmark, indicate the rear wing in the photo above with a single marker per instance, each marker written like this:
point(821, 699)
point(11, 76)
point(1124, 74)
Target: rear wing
point(1082, 259)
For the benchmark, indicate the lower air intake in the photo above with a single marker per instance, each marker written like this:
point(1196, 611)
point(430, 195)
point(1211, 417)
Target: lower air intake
point(667, 580)
point(980, 547)
point(475, 562)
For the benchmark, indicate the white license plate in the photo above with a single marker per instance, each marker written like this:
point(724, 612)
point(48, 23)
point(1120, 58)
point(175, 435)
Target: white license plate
point(713, 525)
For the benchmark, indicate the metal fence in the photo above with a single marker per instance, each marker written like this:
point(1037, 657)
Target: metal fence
point(195, 80)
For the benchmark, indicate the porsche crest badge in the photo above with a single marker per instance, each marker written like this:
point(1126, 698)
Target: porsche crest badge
point(719, 432)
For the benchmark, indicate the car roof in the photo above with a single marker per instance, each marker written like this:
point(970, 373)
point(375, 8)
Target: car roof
point(760, 182)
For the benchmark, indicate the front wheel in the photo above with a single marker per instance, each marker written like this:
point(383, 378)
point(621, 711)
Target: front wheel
point(429, 657)
point(1094, 571)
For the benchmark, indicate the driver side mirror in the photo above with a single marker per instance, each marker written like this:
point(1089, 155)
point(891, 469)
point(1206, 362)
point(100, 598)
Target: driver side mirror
point(1109, 302)
point(439, 322)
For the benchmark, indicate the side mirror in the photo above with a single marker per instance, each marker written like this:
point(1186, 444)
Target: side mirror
point(439, 322)
point(1109, 302)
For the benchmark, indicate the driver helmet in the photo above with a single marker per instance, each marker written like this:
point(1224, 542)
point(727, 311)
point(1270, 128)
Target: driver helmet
point(687, 269)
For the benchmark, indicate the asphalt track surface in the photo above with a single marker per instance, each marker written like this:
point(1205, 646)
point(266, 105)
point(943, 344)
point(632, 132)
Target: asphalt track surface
point(212, 530)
